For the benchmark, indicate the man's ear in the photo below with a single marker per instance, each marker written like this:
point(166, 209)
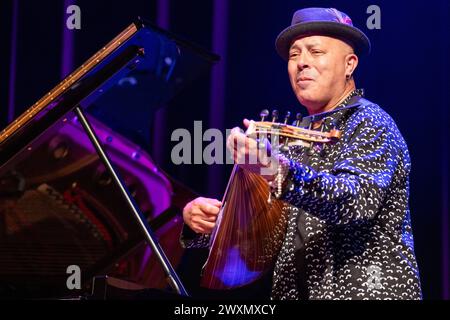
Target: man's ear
point(351, 62)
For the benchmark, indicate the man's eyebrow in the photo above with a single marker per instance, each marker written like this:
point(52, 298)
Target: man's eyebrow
point(313, 44)
point(308, 45)
point(294, 46)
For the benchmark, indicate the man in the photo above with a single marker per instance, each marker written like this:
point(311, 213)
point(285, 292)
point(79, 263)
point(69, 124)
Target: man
point(349, 231)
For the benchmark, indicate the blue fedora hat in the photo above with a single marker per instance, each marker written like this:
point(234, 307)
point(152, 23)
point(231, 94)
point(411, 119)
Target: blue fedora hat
point(322, 21)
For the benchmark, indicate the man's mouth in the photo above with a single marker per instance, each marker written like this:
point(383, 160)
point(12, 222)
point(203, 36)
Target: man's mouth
point(304, 80)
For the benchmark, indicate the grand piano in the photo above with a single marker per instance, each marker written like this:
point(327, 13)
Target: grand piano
point(60, 206)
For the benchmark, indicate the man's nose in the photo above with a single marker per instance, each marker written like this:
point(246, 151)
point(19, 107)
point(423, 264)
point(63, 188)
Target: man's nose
point(302, 61)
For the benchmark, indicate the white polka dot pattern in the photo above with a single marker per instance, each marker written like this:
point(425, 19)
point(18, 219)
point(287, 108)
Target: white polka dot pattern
point(354, 195)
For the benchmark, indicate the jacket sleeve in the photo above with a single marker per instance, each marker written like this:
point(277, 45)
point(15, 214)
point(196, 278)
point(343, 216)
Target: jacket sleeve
point(355, 187)
point(189, 239)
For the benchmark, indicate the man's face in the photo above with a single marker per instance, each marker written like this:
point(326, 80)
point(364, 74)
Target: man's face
point(317, 69)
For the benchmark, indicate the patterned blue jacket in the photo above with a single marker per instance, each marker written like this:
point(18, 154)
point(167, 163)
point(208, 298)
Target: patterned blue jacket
point(349, 233)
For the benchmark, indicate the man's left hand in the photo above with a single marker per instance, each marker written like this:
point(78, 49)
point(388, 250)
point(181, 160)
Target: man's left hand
point(248, 155)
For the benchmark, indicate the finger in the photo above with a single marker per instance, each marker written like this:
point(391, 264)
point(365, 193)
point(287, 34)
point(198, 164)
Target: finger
point(236, 130)
point(213, 202)
point(241, 140)
point(246, 123)
point(200, 218)
point(251, 143)
point(210, 217)
point(207, 225)
point(199, 229)
point(204, 230)
point(235, 147)
point(232, 141)
point(230, 146)
point(209, 208)
point(237, 139)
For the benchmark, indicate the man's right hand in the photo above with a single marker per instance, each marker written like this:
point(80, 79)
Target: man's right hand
point(201, 214)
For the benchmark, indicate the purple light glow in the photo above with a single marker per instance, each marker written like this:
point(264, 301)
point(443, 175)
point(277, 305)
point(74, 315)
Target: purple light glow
point(119, 149)
point(236, 263)
point(160, 120)
point(217, 100)
point(13, 62)
point(67, 49)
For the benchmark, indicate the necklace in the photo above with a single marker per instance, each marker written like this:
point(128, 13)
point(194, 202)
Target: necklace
point(354, 93)
point(317, 119)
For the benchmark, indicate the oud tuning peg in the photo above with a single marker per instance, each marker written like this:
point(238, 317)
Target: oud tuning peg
point(286, 117)
point(335, 124)
point(328, 123)
point(274, 115)
point(298, 119)
point(322, 126)
point(285, 145)
point(263, 114)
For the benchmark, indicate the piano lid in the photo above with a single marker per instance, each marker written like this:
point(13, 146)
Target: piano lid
point(138, 71)
point(59, 208)
point(56, 203)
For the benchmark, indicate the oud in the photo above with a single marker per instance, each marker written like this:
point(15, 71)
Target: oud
point(249, 230)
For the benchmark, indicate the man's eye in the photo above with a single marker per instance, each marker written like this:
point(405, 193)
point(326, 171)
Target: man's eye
point(293, 54)
point(316, 51)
